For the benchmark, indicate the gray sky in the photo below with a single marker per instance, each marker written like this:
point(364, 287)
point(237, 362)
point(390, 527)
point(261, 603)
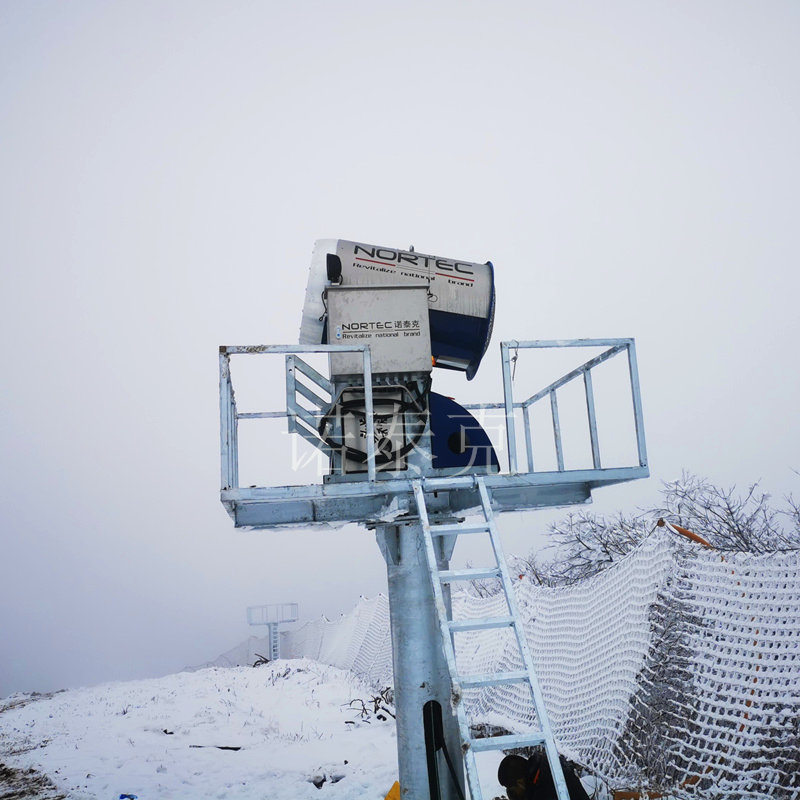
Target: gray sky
point(631, 168)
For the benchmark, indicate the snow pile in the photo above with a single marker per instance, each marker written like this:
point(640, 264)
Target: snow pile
point(233, 734)
point(246, 653)
point(359, 641)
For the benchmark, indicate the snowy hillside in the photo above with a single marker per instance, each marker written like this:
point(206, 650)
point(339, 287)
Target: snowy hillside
point(233, 734)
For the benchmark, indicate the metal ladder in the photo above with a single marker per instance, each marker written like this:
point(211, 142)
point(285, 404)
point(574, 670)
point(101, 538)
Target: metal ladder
point(449, 627)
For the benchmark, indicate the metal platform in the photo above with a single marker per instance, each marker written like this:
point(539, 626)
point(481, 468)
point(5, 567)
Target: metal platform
point(409, 502)
point(385, 497)
point(385, 500)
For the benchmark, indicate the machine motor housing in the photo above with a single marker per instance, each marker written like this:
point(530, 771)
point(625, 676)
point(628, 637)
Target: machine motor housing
point(461, 296)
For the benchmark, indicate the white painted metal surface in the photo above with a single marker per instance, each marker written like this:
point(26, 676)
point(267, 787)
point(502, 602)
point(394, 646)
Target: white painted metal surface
point(392, 320)
point(456, 286)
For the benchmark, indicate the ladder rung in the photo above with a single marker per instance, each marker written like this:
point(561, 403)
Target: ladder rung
point(448, 575)
point(480, 623)
point(507, 742)
point(462, 527)
point(492, 679)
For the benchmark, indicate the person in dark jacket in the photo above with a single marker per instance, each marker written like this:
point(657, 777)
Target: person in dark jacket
point(531, 778)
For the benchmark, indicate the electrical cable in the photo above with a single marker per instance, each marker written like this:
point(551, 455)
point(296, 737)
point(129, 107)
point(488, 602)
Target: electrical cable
point(452, 771)
point(434, 741)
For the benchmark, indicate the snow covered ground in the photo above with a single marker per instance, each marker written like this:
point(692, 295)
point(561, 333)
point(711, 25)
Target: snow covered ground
point(291, 722)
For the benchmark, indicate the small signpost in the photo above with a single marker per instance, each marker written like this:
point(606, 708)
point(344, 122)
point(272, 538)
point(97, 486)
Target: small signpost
point(273, 616)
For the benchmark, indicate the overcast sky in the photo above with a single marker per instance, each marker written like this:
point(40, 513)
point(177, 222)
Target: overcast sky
point(631, 168)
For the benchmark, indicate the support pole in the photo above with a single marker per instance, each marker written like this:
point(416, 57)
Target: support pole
point(274, 642)
point(420, 668)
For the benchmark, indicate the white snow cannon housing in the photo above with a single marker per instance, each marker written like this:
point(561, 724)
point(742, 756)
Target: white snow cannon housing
point(460, 296)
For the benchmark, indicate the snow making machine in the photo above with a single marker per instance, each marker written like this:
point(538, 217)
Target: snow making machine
point(411, 465)
point(415, 312)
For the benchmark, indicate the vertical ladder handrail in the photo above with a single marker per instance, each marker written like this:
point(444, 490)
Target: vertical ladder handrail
point(522, 642)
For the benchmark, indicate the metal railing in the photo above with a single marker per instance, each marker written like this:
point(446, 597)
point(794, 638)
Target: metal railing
point(615, 346)
point(305, 422)
point(229, 416)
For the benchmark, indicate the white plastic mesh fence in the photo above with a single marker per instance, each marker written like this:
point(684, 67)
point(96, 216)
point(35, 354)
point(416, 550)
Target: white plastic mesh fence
point(729, 704)
point(588, 642)
point(677, 667)
point(359, 641)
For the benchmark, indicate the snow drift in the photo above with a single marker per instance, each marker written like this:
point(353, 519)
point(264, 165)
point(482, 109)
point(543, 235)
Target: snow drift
point(277, 732)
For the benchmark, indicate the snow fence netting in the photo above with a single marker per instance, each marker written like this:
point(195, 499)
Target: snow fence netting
point(677, 667)
point(359, 641)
